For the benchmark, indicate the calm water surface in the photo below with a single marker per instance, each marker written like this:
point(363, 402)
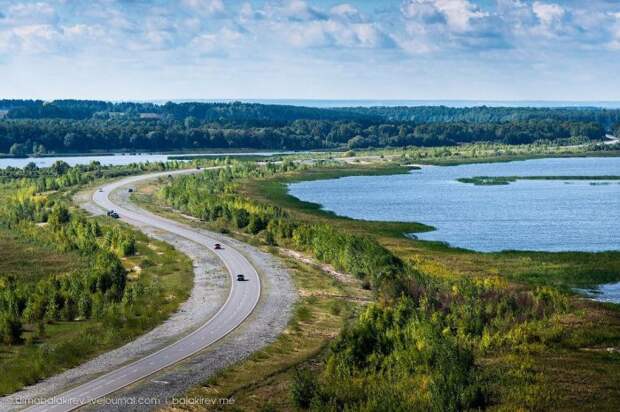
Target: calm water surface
point(609, 292)
point(114, 160)
point(525, 215)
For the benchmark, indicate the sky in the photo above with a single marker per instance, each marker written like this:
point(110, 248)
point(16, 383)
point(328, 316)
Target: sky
point(294, 49)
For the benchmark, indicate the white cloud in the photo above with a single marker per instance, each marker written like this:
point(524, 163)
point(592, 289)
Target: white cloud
point(346, 11)
point(435, 25)
point(299, 10)
point(614, 44)
point(31, 10)
point(32, 39)
point(216, 44)
point(248, 13)
point(84, 31)
point(456, 14)
point(206, 7)
point(215, 27)
point(335, 33)
point(548, 13)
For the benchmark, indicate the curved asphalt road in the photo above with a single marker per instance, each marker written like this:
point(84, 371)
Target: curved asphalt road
point(241, 301)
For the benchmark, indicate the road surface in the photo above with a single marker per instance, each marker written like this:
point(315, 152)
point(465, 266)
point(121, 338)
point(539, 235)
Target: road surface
point(241, 301)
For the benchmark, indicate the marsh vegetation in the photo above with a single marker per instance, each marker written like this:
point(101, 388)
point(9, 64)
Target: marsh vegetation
point(449, 329)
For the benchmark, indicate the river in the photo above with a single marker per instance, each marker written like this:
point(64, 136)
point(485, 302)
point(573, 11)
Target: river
point(116, 159)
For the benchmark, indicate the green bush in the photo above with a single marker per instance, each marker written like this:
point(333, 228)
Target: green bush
point(303, 388)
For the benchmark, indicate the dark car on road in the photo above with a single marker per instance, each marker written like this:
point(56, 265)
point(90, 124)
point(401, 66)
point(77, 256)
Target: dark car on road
point(113, 214)
point(241, 278)
point(218, 246)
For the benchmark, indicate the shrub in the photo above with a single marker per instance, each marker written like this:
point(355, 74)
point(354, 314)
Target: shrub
point(304, 388)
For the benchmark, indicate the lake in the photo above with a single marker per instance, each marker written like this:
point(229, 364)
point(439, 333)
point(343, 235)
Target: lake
point(115, 159)
point(541, 215)
point(609, 292)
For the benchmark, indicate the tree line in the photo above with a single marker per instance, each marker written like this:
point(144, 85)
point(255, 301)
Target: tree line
point(234, 113)
point(255, 114)
point(40, 136)
point(38, 127)
point(485, 114)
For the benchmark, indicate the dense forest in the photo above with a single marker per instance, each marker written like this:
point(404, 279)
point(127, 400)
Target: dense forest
point(37, 127)
point(251, 114)
point(484, 114)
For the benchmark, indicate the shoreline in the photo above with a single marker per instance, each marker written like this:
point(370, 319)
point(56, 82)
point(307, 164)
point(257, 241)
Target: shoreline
point(413, 235)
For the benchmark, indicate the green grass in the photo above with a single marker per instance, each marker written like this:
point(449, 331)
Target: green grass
point(503, 158)
point(29, 261)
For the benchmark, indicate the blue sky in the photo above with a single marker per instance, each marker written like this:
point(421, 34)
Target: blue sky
point(391, 49)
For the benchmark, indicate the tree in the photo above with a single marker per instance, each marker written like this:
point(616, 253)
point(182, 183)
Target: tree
point(59, 215)
point(38, 149)
point(10, 329)
point(83, 306)
point(70, 140)
point(304, 388)
point(18, 149)
point(51, 311)
point(59, 168)
point(191, 122)
point(31, 167)
point(256, 224)
point(241, 218)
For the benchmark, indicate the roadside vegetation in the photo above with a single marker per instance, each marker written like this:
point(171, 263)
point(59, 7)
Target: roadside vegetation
point(73, 286)
point(449, 329)
point(324, 307)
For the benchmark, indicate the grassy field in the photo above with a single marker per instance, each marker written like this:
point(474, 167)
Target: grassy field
point(62, 345)
point(29, 261)
point(466, 153)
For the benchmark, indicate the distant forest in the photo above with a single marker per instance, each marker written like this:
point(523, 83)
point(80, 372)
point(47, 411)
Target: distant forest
point(38, 127)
